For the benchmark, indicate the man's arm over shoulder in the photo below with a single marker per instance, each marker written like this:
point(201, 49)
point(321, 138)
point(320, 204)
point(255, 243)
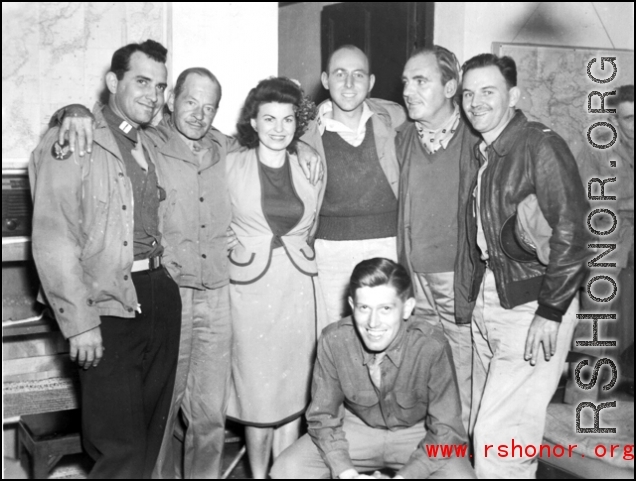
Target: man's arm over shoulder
point(564, 204)
point(443, 420)
point(56, 186)
point(158, 135)
point(227, 143)
point(76, 124)
point(396, 112)
point(326, 411)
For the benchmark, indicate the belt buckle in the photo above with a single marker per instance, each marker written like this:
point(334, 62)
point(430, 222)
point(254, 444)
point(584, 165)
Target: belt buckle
point(154, 263)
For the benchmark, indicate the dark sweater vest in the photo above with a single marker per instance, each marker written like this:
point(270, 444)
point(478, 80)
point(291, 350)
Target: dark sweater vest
point(359, 203)
point(433, 187)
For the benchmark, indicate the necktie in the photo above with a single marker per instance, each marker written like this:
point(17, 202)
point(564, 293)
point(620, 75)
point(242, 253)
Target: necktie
point(374, 369)
point(138, 155)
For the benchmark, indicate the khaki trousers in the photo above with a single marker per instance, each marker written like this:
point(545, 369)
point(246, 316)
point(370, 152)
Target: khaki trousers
point(510, 397)
point(436, 304)
point(202, 388)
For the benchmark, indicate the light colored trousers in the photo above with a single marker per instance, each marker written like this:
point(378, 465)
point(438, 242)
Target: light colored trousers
point(510, 397)
point(336, 260)
point(369, 448)
point(435, 298)
point(201, 388)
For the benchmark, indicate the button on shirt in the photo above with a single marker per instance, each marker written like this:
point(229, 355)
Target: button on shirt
point(326, 122)
point(195, 230)
point(415, 384)
point(146, 190)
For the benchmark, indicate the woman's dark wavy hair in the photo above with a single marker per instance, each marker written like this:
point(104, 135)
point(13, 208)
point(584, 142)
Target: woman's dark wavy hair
point(276, 89)
point(381, 272)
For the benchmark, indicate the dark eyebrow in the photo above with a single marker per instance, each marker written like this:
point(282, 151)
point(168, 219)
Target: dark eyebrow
point(141, 77)
point(274, 117)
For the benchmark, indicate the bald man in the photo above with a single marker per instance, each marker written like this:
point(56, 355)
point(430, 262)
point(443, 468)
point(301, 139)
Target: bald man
point(355, 135)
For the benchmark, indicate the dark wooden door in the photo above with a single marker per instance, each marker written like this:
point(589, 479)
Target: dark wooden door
point(387, 31)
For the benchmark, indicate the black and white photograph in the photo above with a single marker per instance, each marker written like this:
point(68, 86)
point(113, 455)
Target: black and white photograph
point(318, 240)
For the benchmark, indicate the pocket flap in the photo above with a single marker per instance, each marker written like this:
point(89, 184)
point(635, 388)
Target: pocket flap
point(365, 398)
point(407, 400)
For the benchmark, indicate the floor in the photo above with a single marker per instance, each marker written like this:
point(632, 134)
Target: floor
point(77, 466)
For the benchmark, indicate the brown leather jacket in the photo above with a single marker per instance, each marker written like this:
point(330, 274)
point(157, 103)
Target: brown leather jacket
point(529, 158)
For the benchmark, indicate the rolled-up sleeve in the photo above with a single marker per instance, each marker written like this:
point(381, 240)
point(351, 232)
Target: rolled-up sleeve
point(326, 412)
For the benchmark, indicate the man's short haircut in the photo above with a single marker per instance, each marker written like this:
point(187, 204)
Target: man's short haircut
point(204, 72)
point(278, 89)
point(506, 66)
point(120, 62)
point(446, 61)
point(351, 47)
point(381, 272)
point(624, 93)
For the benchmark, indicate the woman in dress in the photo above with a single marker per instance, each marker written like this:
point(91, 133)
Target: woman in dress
point(276, 305)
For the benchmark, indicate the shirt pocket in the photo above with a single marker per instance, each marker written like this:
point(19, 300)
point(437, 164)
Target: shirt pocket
point(411, 406)
point(363, 401)
point(167, 208)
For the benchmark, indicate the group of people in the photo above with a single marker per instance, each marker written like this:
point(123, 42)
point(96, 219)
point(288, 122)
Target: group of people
point(199, 277)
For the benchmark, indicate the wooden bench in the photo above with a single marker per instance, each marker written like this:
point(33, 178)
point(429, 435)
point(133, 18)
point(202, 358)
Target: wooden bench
point(47, 437)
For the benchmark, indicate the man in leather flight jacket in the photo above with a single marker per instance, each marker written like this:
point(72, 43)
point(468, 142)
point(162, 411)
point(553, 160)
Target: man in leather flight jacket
point(519, 305)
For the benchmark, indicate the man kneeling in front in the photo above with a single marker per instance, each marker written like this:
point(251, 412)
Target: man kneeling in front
point(384, 391)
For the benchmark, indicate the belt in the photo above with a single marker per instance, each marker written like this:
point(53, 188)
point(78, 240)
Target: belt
point(146, 264)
